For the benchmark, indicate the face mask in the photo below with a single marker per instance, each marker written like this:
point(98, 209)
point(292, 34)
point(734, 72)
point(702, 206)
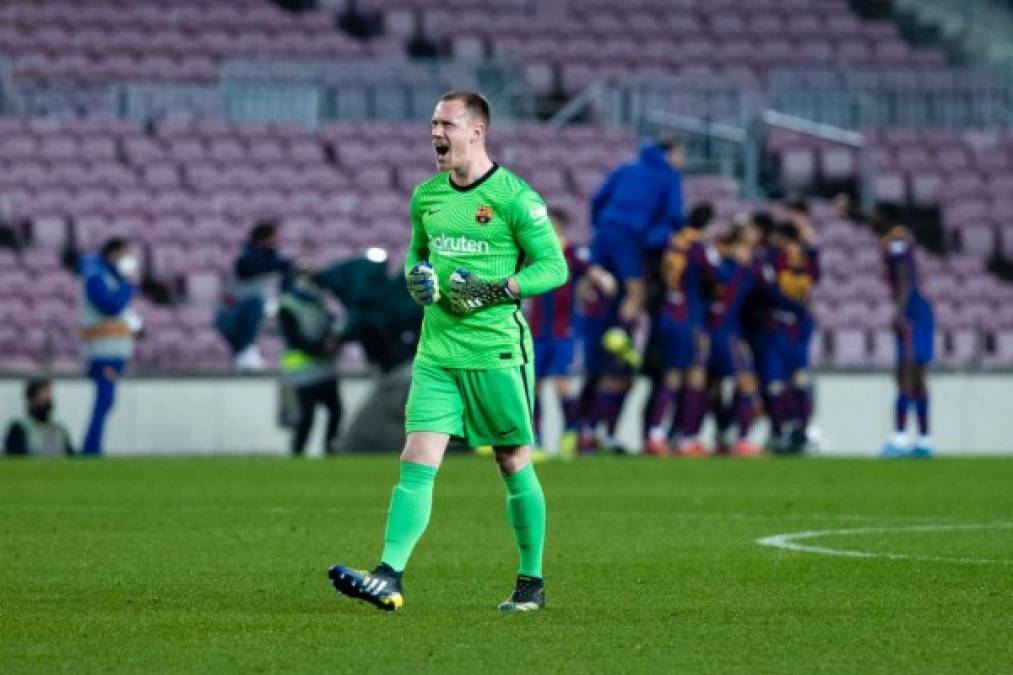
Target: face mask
point(127, 266)
point(41, 411)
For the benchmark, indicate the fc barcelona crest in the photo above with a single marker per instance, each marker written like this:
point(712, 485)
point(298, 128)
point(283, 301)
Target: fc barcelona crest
point(483, 215)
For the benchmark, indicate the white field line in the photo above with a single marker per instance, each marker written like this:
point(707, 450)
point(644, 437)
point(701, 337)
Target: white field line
point(790, 541)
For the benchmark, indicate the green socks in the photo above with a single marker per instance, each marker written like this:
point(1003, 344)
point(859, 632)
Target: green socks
point(410, 505)
point(525, 506)
point(412, 501)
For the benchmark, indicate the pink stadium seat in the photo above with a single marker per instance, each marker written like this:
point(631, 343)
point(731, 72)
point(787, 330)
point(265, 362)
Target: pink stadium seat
point(849, 348)
point(163, 175)
point(798, 167)
point(49, 232)
point(185, 150)
point(226, 151)
point(837, 163)
point(925, 189)
point(978, 240)
point(959, 347)
point(203, 288)
point(1001, 354)
point(889, 187)
point(306, 152)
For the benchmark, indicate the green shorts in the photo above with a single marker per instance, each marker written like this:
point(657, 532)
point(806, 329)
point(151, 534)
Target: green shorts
point(485, 407)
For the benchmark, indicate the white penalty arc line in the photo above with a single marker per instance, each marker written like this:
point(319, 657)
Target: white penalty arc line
point(790, 541)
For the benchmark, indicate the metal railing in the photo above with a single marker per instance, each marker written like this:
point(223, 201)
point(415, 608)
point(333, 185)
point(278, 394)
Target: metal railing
point(724, 125)
point(713, 115)
point(703, 97)
point(950, 98)
point(945, 98)
point(292, 92)
point(829, 134)
point(390, 90)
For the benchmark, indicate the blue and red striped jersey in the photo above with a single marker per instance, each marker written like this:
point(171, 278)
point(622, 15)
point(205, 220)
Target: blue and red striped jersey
point(791, 277)
point(684, 267)
point(898, 249)
point(734, 282)
point(551, 314)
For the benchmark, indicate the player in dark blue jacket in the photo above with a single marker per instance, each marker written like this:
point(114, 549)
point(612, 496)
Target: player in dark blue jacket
point(636, 209)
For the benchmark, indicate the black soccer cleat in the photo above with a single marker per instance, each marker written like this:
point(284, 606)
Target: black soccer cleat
point(528, 595)
point(380, 587)
point(798, 441)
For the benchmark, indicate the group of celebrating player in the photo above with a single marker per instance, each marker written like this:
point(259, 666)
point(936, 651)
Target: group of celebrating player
point(727, 314)
point(728, 309)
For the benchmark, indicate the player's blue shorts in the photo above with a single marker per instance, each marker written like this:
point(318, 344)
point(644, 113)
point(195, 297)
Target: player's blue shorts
point(619, 251)
point(916, 342)
point(598, 361)
point(683, 343)
point(781, 355)
point(729, 354)
point(553, 356)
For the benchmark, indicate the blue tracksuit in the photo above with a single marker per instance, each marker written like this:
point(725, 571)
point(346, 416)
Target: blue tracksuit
point(107, 348)
point(637, 207)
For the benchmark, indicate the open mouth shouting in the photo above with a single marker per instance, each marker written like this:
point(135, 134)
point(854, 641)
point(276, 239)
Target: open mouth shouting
point(442, 148)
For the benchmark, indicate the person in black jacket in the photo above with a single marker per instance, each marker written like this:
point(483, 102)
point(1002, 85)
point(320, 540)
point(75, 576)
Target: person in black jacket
point(36, 433)
point(307, 365)
point(260, 270)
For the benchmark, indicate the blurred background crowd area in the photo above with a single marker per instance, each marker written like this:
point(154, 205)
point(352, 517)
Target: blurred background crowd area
point(181, 124)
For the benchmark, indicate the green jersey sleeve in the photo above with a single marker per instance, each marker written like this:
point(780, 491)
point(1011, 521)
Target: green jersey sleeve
point(535, 236)
point(418, 247)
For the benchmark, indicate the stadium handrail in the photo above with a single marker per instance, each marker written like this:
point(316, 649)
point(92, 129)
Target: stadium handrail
point(289, 91)
point(831, 134)
point(953, 98)
point(982, 28)
point(634, 103)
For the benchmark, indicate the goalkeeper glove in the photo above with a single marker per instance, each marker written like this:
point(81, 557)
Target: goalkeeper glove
point(468, 292)
point(422, 284)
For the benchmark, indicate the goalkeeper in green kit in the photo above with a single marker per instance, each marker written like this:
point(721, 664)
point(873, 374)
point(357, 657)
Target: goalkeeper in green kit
point(481, 241)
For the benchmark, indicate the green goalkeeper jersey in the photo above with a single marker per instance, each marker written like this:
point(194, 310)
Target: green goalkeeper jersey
point(496, 227)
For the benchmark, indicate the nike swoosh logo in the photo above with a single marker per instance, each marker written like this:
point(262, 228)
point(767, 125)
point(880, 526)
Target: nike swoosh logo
point(509, 431)
point(432, 211)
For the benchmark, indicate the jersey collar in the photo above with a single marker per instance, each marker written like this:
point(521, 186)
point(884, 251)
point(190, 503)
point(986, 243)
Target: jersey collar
point(476, 183)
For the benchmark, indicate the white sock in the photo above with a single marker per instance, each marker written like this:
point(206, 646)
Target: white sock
point(900, 440)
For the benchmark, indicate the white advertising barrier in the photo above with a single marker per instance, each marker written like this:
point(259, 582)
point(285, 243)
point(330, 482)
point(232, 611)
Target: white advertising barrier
point(971, 413)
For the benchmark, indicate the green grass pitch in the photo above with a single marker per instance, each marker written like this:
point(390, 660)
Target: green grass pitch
point(219, 566)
